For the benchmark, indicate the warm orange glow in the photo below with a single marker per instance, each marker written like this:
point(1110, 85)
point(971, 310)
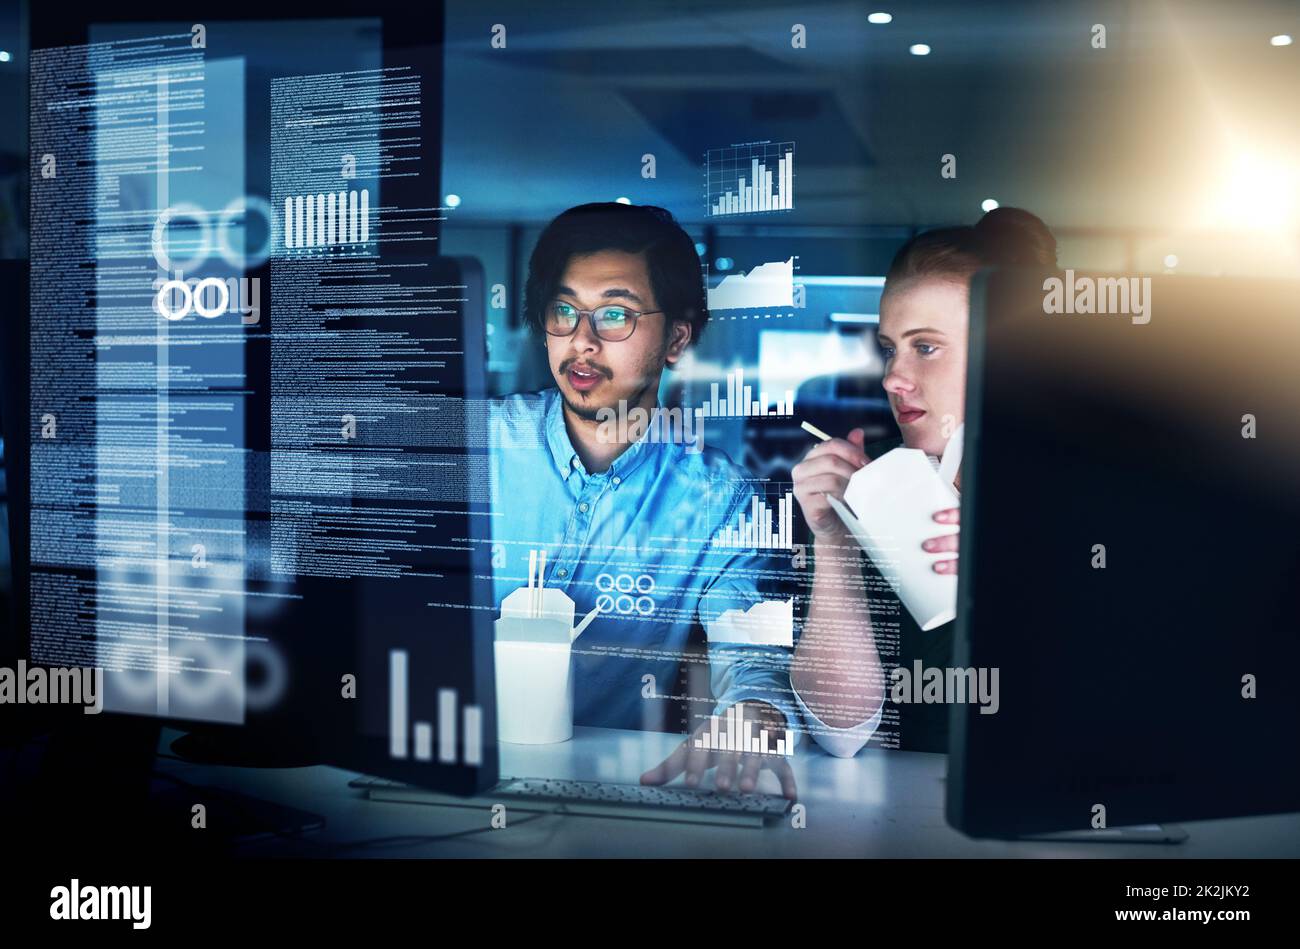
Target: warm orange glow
point(1256, 192)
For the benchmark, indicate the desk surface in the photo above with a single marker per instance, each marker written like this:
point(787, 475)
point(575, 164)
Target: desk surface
point(877, 804)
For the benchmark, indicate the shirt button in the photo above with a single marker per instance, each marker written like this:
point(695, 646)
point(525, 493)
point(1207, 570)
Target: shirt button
point(617, 480)
point(561, 572)
point(583, 507)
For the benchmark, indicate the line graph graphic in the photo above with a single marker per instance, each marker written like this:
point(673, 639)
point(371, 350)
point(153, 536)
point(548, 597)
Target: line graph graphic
point(766, 285)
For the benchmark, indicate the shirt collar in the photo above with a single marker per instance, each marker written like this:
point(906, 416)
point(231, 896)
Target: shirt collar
point(557, 436)
point(566, 457)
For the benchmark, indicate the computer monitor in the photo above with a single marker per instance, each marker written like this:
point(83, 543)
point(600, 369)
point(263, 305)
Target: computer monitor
point(1128, 556)
point(256, 444)
point(13, 460)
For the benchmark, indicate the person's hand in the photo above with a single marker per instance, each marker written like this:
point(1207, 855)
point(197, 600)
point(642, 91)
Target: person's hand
point(826, 469)
point(947, 542)
point(735, 769)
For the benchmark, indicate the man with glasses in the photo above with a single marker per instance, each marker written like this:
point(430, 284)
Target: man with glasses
point(628, 522)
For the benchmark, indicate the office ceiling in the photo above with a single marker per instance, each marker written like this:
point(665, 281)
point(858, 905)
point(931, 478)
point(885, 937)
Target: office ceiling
point(1137, 135)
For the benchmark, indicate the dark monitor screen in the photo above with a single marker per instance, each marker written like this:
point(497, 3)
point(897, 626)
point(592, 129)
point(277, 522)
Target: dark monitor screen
point(13, 463)
point(1129, 556)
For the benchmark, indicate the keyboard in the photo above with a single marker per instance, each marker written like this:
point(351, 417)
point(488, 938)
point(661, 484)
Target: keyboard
point(598, 799)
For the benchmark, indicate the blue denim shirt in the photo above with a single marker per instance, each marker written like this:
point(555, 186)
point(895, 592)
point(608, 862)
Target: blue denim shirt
point(634, 539)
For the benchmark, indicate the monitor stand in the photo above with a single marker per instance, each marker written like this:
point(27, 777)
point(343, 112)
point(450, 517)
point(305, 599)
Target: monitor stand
point(234, 750)
point(1139, 834)
point(233, 818)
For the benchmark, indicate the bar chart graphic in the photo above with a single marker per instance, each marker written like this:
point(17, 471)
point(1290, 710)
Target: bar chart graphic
point(754, 529)
point(767, 285)
point(750, 179)
point(409, 739)
point(738, 400)
point(736, 733)
point(327, 219)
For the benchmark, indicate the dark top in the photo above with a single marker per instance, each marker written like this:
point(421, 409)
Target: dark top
point(900, 642)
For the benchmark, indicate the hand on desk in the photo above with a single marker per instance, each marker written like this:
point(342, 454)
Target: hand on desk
point(695, 761)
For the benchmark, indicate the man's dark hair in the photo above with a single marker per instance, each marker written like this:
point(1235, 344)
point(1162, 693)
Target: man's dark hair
point(671, 259)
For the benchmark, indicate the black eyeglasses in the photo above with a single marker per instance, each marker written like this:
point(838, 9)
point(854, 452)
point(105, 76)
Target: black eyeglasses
point(612, 322)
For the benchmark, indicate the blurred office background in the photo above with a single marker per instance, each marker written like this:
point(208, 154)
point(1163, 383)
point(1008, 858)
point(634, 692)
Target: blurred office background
point(1175, 148)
